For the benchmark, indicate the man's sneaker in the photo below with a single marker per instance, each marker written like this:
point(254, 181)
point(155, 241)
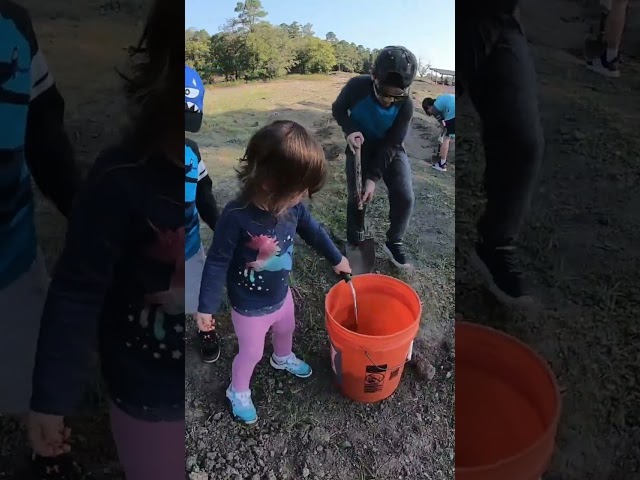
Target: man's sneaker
point(209, 346)
point(441, 167)
point(603, 67)
point(397, 255)
point(291, 364)
point(499, 268)
point(242, 406)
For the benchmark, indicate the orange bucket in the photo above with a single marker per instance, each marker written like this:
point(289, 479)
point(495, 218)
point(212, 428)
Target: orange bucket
point(368, 364)
point(507, 407)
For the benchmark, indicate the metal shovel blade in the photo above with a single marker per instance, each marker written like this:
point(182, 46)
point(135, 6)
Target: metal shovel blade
point(362, 257)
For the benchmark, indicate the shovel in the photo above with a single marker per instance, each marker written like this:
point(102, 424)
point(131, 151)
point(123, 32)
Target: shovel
point(362, 254)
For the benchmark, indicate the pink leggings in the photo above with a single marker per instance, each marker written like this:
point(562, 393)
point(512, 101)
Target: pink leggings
point(148, 450)
point(251, 332)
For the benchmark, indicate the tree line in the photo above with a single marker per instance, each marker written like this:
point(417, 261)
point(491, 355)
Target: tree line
point(249, 47)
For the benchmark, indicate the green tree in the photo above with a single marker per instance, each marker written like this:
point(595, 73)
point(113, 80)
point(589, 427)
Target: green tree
point(229, 55)
point(269, 51)
point(331, 37)
point(307, 30)
point(250, 13)
point(315, 56)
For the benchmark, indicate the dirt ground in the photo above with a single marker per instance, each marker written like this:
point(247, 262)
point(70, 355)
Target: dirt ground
point(78, 39)
point(580, 244)
point(306, 429)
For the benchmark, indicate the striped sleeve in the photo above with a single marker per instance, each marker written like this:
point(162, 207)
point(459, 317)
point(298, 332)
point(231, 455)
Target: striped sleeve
point(202, 169)
point(41, 77)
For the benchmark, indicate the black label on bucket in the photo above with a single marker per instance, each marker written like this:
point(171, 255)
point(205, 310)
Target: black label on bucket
point(374, 378)
point(394, 373)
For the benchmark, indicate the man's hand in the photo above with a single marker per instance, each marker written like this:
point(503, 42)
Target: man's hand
point(369, 188)
point(48, 435)
point(342, 267)
point(205, 322)
point(355, 141)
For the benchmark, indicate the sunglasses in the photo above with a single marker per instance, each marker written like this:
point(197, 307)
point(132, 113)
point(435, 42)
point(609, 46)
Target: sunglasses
point(382, 94)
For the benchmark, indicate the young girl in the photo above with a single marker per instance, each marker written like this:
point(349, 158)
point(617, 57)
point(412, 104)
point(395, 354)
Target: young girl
point(122, 270)
point(252, 252)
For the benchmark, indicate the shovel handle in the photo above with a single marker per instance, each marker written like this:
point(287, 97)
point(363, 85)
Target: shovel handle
point(357, 163)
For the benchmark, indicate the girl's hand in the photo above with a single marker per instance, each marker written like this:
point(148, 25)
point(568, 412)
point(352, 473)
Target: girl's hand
point(205, 321)
point(48, 435)
point(342, 267)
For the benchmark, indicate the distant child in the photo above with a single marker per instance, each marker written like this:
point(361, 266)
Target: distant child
point(121, 275)
point(198, 203)
point(252, 253)
point(444, 109)
point(374, 112)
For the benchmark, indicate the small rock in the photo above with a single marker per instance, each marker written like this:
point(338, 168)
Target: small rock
point(347, 444)
point(305, 472)
point(198, 476)
point(319, 449)
point(191, 462)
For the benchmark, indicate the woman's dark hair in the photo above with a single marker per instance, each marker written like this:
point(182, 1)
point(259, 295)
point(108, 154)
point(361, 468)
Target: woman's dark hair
point(282, 160)
point(428, 102)
point(153, 88)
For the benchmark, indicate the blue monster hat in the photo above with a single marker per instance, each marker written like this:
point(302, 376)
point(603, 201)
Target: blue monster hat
point(193, 100)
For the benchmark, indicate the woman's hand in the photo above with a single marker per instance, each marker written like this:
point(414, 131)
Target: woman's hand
point(205, 321)
point(369, 188)
point(48, 435)
point(355, 141)
point(342, 267)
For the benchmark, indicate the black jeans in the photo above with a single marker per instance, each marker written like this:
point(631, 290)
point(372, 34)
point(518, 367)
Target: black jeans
point(499, 76)
point(398, 179)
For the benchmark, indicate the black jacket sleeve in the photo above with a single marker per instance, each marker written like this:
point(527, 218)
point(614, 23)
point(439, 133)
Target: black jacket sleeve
point(374, 169)
point(48, 151)
point(206, 202)
point(349, 95)
point(47, 148)
point(97, 232)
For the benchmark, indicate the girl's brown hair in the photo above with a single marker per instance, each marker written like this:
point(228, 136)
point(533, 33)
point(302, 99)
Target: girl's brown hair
point(282, 161)
point(154, 86)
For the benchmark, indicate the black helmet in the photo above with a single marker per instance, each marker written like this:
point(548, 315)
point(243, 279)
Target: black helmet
point(395, 66)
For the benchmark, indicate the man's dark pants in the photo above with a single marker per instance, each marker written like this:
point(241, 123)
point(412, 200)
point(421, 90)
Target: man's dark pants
point(398, 179)
point(499, 76)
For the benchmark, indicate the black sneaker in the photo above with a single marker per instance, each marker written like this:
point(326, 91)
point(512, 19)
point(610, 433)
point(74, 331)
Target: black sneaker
point(56, 468)
point(396, 253)
point(440, 166)
point(209, 346)
point(499, 267)
point(604, 67)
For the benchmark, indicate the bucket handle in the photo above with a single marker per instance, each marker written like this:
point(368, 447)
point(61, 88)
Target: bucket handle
point(388, 368)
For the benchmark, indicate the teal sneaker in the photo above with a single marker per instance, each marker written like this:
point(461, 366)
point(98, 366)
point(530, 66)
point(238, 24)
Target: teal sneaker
point(291, 364)
point(242, 406)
